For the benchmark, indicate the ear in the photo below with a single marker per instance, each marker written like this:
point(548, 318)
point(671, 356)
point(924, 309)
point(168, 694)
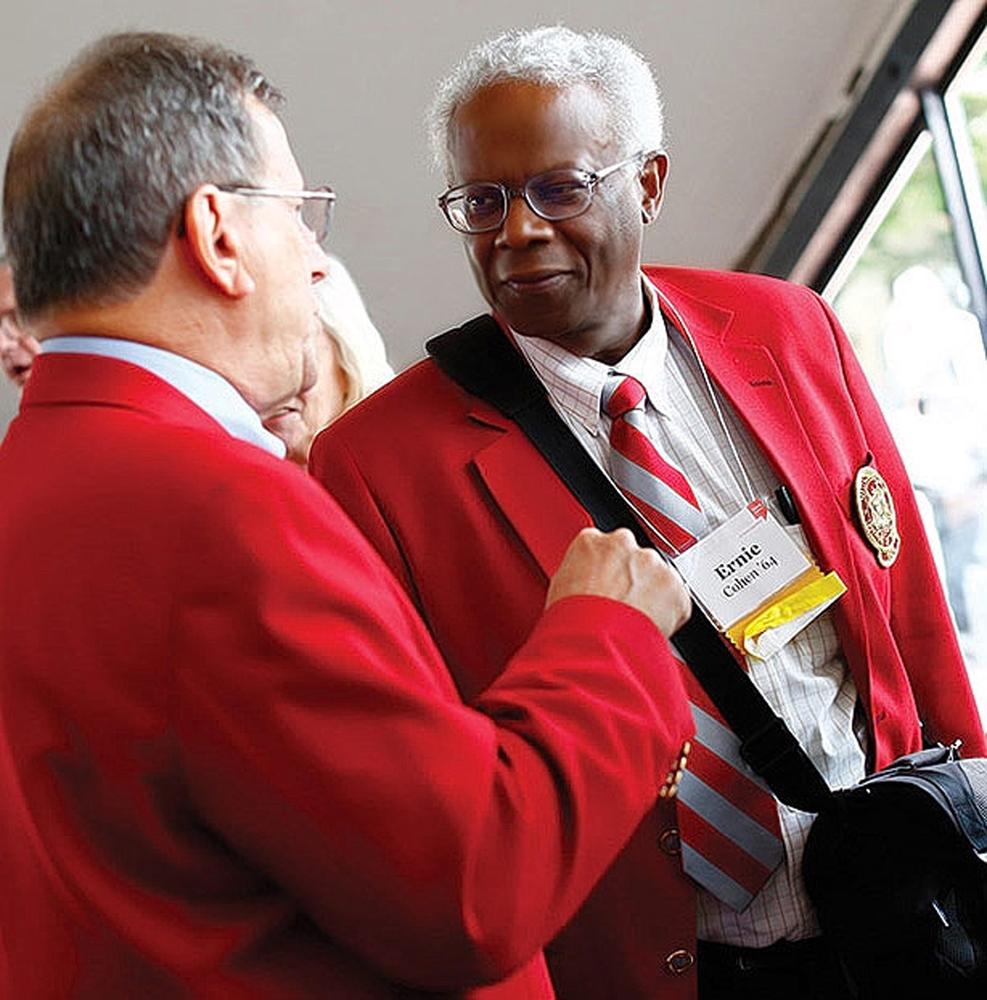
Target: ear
point(653, 187)
point(215, 236)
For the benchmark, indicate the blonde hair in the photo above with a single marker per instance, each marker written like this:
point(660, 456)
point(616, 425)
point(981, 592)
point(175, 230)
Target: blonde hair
point(360, 350)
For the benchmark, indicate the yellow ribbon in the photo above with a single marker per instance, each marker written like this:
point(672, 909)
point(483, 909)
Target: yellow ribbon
point(810, 590)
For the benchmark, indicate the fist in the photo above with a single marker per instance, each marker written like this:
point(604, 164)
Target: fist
point(613, 565)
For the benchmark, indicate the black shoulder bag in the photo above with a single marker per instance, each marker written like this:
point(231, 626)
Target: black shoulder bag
point(895, 866)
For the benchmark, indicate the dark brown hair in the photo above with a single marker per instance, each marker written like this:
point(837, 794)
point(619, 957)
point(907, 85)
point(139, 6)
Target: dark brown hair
point(101, 166)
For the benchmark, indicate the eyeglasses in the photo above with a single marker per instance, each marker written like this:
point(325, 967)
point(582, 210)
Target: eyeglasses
point(554, 196)
point(314, 207)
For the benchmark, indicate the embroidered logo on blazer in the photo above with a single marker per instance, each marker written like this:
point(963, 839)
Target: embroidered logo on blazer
point(878, 518)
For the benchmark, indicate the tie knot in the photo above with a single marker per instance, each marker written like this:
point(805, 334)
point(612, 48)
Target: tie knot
point(622, 394)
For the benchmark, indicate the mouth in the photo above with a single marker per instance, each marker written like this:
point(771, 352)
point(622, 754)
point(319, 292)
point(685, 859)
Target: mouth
point(537, 282)
point(282, 414)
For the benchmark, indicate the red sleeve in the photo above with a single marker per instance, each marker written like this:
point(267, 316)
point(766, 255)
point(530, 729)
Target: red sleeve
point(920, 617)
point(327, 745)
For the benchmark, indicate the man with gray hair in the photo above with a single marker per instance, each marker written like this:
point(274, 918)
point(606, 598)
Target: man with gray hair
point(713, 401)
point(232, 761)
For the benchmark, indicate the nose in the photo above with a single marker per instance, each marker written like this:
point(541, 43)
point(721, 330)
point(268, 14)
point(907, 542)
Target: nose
point(319, 263)
point(522, 226)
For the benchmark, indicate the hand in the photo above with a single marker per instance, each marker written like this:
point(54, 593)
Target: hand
point(614, 565)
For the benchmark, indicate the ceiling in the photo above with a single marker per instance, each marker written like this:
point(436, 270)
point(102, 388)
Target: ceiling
point(747, 86)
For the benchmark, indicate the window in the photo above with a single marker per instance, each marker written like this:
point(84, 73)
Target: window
point(910, 291)
point(886, 217)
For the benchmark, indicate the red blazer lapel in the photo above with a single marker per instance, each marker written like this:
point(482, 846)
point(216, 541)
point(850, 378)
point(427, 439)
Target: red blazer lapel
point(749, 376)
point(539, 507)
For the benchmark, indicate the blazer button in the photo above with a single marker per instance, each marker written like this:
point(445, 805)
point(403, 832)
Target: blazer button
point(680, 961)
point(669, 841)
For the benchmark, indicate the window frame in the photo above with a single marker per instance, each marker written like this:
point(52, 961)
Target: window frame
point(906, 95)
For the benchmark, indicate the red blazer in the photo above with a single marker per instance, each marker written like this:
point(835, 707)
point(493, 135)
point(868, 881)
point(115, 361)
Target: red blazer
point(232, 762)
point(473, 521)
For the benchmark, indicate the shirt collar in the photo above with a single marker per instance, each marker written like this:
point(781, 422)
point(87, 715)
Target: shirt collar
point(205, 387)
point(576, 383)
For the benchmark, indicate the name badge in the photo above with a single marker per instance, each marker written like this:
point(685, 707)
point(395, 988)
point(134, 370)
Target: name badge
point(736, 569)
point(755, 583)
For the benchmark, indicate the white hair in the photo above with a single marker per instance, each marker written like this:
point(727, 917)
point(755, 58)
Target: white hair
point(562, 58)
point(360, 349)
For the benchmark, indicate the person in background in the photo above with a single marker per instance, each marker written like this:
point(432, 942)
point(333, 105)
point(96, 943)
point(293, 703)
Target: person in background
point(18, 349)
point(351, 361)
point(552, 146)
point(232, 760)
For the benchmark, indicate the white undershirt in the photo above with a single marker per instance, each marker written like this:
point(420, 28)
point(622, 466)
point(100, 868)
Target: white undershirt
point(807, 682)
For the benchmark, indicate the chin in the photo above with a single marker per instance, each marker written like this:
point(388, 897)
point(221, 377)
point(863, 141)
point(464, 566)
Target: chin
point(543, 323)
point(297, 446)
point(557, 329)
point(298, 455)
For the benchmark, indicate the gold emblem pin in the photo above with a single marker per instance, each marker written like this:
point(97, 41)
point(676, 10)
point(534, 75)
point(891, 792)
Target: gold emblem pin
point(878, 519)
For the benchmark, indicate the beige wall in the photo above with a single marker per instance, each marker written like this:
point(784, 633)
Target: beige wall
point(747, 85)
point(8, 404)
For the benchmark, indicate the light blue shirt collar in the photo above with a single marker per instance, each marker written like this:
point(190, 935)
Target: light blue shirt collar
point(206, 388)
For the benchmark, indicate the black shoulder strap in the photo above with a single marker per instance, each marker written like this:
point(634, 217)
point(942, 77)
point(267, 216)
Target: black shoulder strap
point(482, 360)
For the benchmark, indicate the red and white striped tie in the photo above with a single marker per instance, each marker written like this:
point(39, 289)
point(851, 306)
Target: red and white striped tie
point(728, 819)
point(657, 488)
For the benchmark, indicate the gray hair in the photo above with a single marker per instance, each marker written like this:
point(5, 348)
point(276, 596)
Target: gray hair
point(562, 58)
point(101, 166)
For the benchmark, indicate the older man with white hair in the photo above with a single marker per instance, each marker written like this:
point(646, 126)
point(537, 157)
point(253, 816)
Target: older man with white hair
point(714, 401)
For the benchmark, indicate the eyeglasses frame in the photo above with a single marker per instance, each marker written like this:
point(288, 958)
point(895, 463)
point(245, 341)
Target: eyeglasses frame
point(323, 193)
point(510, 192)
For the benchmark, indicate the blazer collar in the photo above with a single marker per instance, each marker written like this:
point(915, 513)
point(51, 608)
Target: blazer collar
point(86, 379)
point(748, 374)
